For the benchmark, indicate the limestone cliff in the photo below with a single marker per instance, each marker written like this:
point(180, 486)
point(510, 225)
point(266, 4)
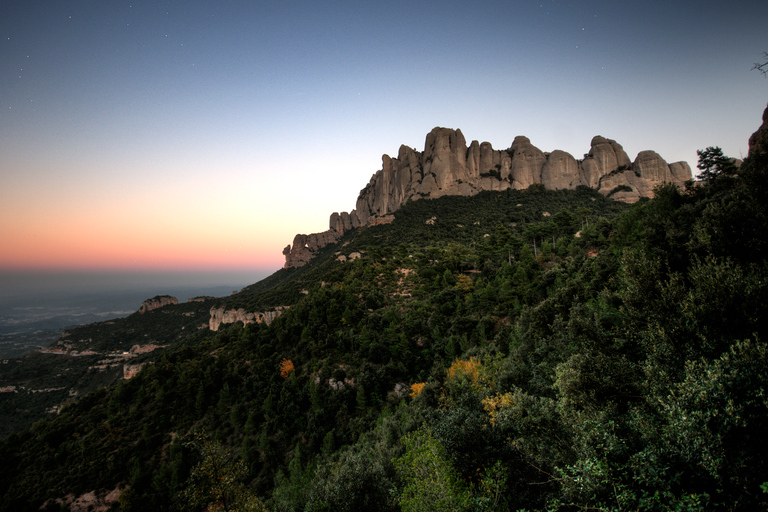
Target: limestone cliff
point(447, 166)
point(157, 302)
point(228, 316)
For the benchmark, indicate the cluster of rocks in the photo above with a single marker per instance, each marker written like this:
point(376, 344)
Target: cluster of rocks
point(352, 257)
point(447, 166)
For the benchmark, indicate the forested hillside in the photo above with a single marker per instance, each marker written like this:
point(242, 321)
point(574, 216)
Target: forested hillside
point(531, 350)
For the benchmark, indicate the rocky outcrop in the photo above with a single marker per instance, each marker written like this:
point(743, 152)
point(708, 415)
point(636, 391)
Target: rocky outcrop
point(229, 316)
point(305, 246)
point(157, 302)
point(201, 298)
point(449, 167)
point(758, 142)
point(131, 370)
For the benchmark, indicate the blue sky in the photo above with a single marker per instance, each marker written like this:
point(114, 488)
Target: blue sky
point(196, 135)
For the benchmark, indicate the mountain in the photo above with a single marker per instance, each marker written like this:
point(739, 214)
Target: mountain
point(448, 167)
point(524, 349)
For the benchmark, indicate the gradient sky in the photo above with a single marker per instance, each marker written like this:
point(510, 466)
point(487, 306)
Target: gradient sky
point(192, 135)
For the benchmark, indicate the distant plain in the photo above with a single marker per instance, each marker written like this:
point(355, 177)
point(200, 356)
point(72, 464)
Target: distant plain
point(35, 308)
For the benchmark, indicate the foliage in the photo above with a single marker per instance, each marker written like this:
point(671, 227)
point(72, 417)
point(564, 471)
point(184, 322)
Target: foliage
point(215, 483)
point(431, 483)
point(417, 388)
point(715, 166)
point(286, 367)
point(468, 370)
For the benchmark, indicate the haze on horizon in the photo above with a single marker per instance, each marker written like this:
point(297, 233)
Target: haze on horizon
point(198, 137)
point(36, 284)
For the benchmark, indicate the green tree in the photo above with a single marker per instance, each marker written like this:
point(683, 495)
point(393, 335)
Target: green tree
point(715, 166)
point(431, 482)
point(215, 483)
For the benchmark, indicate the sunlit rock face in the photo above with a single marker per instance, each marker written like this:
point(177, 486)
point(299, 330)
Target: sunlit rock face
point(448, 166)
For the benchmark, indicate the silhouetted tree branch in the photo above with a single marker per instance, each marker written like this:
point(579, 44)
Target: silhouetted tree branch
point(763, 68)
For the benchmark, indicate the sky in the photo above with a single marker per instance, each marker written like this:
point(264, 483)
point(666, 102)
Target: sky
point(194, 136)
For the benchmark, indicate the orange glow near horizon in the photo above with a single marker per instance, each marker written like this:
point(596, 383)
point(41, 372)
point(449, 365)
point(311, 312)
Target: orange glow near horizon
point(157, 225)
point(153, 249)
point(107, 242)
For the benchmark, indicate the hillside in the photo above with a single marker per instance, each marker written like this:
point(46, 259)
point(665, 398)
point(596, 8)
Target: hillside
point(514, 350)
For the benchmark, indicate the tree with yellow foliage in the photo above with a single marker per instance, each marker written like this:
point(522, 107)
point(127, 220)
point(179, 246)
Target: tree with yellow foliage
point(286, 367)
point(417, 388)
point(469, 370)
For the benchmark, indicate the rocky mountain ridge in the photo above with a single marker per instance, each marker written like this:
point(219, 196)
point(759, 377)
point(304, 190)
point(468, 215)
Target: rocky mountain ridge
point(447, 166)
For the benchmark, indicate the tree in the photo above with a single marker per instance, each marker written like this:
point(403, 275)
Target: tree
point(286, 367)
point(215, 483)
point(464, 284)
point(431, 482)
point(715, 165)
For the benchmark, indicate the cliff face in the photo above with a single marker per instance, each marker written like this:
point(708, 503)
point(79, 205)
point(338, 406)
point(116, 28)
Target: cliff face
point(228, 316)
point(447, 166)
point(157, 302)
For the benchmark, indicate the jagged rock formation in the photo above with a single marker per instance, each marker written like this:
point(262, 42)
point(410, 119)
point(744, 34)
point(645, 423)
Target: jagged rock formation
point(449, 167)
point(228, 316)
point(157, 302)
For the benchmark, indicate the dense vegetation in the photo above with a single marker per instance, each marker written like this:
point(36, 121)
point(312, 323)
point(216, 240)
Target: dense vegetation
point(599, 357)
